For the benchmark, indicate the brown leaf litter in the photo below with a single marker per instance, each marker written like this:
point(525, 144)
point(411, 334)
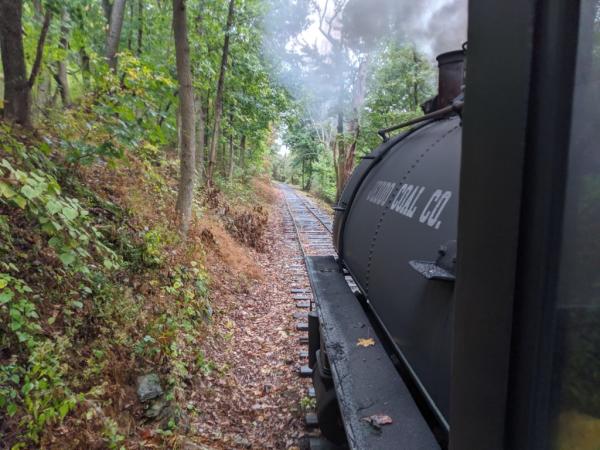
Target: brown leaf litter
point(252, 398)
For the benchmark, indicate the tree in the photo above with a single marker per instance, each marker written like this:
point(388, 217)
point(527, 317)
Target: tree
point(62, 78)
point(17, 87)
point(343, 54)
point(140, 30)
point(117, 12)
point(200, 139)
point(399, 81)
point(219, 97)
point(186, 106)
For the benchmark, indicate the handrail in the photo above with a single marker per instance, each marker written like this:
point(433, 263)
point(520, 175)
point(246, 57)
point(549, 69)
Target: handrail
point(455, 107)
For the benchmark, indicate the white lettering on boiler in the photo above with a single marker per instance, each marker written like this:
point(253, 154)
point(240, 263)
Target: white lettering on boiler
point(406, 201)
point(380, 192)
point(434, 207)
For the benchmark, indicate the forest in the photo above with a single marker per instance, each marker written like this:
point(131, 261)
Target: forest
point(139, 143)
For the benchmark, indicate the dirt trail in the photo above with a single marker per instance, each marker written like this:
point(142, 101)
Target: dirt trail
point(253, 398)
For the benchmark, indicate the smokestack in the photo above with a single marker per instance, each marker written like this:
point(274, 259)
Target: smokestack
point(451, 77)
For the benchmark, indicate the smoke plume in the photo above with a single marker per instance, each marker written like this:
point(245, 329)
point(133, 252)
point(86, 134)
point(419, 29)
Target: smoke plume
point(434, 26)
point(306, 60)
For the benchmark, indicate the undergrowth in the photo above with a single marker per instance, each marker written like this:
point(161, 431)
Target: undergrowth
point(96, 286)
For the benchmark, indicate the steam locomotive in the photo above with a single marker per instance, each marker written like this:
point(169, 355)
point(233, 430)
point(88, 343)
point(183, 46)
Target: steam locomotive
point(472, 327)
point(395, 229)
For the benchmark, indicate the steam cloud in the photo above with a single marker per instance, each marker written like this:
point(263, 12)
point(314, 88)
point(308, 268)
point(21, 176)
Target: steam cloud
point(433, 26)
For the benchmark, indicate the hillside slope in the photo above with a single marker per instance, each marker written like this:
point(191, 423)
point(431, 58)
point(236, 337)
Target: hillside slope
point(97, 288)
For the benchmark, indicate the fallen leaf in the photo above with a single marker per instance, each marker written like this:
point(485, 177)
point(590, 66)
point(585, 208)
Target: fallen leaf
point(368, 342)
point(378, 420)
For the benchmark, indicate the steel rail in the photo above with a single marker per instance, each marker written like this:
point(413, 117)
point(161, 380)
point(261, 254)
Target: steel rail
point(326, 225)
point(297, 231)
point(303, 203)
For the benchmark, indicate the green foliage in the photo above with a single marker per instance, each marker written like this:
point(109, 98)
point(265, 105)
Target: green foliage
point(308, 403)
point(60, 218)
point(155, 241)
point(134, 113)
point(18, 311)
point(79, 152)
point(35, 387)
point(203, 364)
point(111, 434)
point(400, 80)
point(45, 395)
point(189, 284)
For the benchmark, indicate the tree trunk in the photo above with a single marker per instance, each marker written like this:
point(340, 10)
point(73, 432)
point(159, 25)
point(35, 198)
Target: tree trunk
point(338, 153)
point(39, 52)
point(219, 98)
point(178, 127)
point(37, 7)
point(186, 101)
point(114, 33)
point(243, 153)
point(44, 86)
point(62, 75)
point(17, 98)
point(107, 8)
point(347, 148)
point(230, 170)
point(140, 30)
point(223, 158)
point(85, 67)
point(17, 88)
point(43, 91)
point(131, 19)
point(200, 136)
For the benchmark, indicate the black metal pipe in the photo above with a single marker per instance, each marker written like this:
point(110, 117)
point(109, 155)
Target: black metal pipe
point(455, 107)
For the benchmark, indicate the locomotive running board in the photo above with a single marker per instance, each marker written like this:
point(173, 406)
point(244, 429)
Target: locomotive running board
point(366, 381)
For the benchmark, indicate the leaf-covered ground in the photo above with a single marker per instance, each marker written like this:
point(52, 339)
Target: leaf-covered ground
point(211, 317)
point(258, 401)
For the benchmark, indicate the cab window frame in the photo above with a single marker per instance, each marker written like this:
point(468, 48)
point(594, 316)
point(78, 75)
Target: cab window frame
point(517, 120)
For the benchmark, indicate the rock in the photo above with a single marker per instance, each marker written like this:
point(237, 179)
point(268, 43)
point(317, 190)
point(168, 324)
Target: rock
point(156, 408)
point(148, 387)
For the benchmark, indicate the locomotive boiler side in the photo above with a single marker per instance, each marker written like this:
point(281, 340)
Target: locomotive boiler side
point(395, 231)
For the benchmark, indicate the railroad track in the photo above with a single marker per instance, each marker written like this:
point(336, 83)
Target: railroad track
point(313, 227)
